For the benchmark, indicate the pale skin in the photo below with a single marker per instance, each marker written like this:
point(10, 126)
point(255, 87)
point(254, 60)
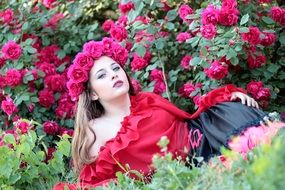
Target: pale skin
point(116, 101)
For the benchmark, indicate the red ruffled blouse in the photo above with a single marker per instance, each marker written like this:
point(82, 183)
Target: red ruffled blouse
point(135, 144)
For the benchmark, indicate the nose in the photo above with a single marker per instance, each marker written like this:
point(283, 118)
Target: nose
point(114, 75)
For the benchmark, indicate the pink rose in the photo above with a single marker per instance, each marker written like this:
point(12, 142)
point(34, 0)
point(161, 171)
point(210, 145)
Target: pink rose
point(269, 39)
point(210, 15)
point(253, 36)
point(8, 106)
point(63, 131)
point(46, 98)
point(136, 85)
point(186, 90)
point(51, 127)
point(12, 50)
point(23, 126)
point(129, 45)
point(254, 86)
point(263, 94)
point(159, 87)
point(230, 4)
point(108, 46)
point(56, 82)
point(49, 3)
point(277, 13)
point(143, 19)
point(7, 16)
point(74, 89)
point(107, 25)
point(47, 68)
point(119, 33)
point(138, 63)
point(77, 74)
point(120, 54)
point(126, 7)
point(13, 77)
point(182, 37)
point(208, 31)
point(228, 17)
point(256, 62)
point(184, 11)
point(216, 71)
point(122, 21)
point(185, 62)
point(49, 54)
point(156, 75)
point(65, 110)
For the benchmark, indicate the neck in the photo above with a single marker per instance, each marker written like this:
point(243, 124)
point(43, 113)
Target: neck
point(119, 107)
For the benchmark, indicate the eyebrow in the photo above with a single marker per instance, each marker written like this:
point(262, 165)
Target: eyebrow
point(103, 69)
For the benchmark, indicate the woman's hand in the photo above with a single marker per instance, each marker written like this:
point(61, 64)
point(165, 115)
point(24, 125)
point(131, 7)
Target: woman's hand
point(245, 99)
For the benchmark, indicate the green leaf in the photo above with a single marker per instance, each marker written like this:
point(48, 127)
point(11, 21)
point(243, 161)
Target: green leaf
point(243, 30)
point(171, 15)
point(169, 26)
point(282, 38)
point(193, 41)
point(9, 139)
point(140, 50)
point(25, 26)
point(244, 19)
point(159, 44)
point(61, 54)
point(273, 68)
point(195, 61)
point(267, 20)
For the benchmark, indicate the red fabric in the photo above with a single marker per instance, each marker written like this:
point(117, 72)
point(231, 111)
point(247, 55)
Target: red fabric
point(135, 144)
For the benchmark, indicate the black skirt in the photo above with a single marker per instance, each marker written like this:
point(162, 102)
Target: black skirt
point(214, 127)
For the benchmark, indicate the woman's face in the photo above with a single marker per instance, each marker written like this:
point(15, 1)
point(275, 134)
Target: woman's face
point(107, 79)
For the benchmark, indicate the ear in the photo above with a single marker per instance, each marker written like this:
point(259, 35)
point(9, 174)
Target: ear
point(94, 96)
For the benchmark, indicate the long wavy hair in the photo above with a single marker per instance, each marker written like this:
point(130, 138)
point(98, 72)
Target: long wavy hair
point(87, 110)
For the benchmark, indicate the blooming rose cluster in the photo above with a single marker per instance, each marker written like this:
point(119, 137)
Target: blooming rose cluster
point(78, 72)
point(8, 106)
point(185, 62)
point(11, 50)
point(6, 16)
point(138, 63)
point(126, 7)
point(187, 89)
point(259, 92)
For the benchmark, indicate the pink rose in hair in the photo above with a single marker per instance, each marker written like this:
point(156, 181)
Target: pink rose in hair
point(216, 71)
point(120, 54)
point(277, 13)
point(138, 63)
point(108, 46)
point(253, 36)
point(210, 15)
point(269, 39)
point(126, 7)
point(136, 85)
point(119, 33)
point(84, 59)
point(13, 77)
point(8, 106)
point(74, 89)
point(12, 50)
point(77, 74)
point(46, 98)
point(7, 16)
point(254, 86)
point(185, 62)
point(51, 127)
point(184, 11)
point(228, 17)
point(107, 25)
point(208, 31)
point(182, 37)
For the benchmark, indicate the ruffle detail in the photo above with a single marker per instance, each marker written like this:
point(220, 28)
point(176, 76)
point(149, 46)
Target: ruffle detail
point(107, 161)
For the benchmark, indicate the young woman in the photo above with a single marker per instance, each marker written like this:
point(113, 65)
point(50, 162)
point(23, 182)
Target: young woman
point(114, 126)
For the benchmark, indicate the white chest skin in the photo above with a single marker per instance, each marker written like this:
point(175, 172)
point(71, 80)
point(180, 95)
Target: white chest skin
point(105, 129)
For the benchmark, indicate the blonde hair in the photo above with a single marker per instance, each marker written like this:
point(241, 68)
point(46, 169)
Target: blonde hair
point(86, 110)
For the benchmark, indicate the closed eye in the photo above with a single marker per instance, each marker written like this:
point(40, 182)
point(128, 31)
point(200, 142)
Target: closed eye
point(101, 76)
point(116, 68)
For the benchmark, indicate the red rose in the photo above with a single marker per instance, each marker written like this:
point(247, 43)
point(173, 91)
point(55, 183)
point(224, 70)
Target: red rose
point(107, 25)
point(53, 21)
point(65, 110)
point(126, 7)
point(2, 62)
point(108, 46)
point(77, 73)
point(216, 71)
point(254, 86)
point(49, 154)
point(230, 4)
point(256, 62)
point(210, 15)
point(120, 54)
point(2, 81)
point(228, 17)
point(49, 54)
point(186, 90)
point(136, 85)
point(252, 37)
point(12, 50)
point(63, 131)
point(138, 63)
point(119, 33)
point(185, 62)
point(159, 87)
point(56, 82)
point(74, 89)
point(156, 75)
point(263, 94)
point(7, 16)
point(269, 39)
point(46, 98)
point(8, 106)
point(49, 3)
point(91, 48)
point(276, 13)
point(208, 31)
point(51, 127)
point(23, 127)
point(47, 68)
point(182, 37)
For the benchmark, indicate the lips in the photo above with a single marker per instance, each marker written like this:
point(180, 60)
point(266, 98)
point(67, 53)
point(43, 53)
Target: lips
point(118, 83)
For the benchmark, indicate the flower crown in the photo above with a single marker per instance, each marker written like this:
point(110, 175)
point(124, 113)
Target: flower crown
point(78, 72)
